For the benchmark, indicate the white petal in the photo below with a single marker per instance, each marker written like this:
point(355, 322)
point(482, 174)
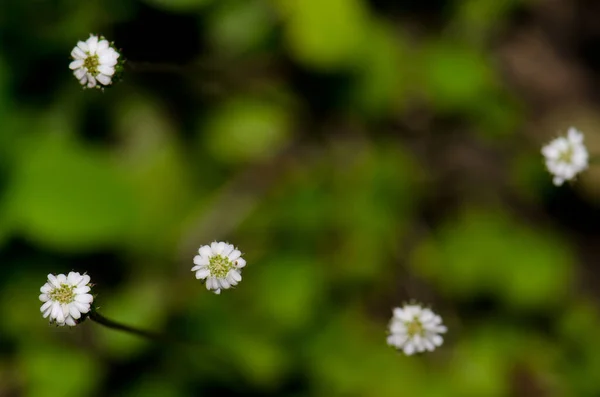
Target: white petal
point(65, 309)
point(205, 251)
point(217, 291)
point(234, 275)
point(92, 43)
point(107, 70)
point(46, 288)
point(107, 60)
point(76, 64)
point(82, 290)
point(201, 260)
point(211, 283)
point(70, 321)
point(429, 345)
point(82, 307)
point(74, 312)
point(437, 340)
point(85, 279)
point(409, 348)
point(220, 248)
point(558, 181)
point(240, 263)
point(77, 53)
point(104, 79)
point(74, 278)
point(227, 248)
point(45, 306)
point(44, 297)
point(202, 273)
point(62, 279)
point(234, 255)
point(91, 81)
point(398, 327)
point(102, 45)
point(58, 314)
point(84, 47)
point(224, 283)
point(54, 281)
point(85, 298)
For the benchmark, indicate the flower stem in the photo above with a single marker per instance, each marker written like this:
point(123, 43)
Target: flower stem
point(100, 319)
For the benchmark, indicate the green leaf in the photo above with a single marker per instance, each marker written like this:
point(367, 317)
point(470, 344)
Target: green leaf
point(488, 252)
point(455, 77)
point(245, 129)
point(69, 196)
point(326, 34)
point(53, 370)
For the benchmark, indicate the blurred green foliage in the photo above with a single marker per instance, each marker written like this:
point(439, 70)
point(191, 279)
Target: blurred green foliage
point(296, 133)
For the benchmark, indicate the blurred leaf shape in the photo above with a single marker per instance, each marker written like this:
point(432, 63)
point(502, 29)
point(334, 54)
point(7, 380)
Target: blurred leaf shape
point(70, 196)
point(239, 26)
point(455, 76)
point(247, 129)
point(299, 287)
point(153, 163)
point(382, 71)
point(325, 34)
point(489, 252)
point(375, 191)
point(58, 370)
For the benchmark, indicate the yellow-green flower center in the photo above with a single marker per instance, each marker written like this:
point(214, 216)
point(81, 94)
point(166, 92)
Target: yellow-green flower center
point(566, 156)
point(91, 63)
point(415, 327)
point(64, 294)
point(219, 266)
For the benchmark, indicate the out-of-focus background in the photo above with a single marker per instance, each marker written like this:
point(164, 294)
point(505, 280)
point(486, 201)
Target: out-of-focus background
point(360, 153)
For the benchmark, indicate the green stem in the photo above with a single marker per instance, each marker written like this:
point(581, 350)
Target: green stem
point(100, 319)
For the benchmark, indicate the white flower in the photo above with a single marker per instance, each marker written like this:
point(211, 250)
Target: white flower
point(220, 265)
point(66, 298)
point(94, 62)
point(415, 329)
point(566, 156)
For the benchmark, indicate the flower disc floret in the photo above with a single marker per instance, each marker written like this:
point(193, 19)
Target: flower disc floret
point(66, 298)
point(220, 265)
point(415, 329)
point(566, 156)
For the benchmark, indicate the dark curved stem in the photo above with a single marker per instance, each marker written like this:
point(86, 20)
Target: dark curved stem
point(100, 319)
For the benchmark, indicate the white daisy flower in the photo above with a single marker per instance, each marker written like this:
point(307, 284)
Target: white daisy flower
point(566, 156)
point(415, 329)
point(94, 62)
point(66, 298)
point(220, 264)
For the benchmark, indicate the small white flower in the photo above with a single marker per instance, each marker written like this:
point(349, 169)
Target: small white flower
point(566, 156)
point(220, 264)
point(66, 298)
point(94, 62)
point(415, 329)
